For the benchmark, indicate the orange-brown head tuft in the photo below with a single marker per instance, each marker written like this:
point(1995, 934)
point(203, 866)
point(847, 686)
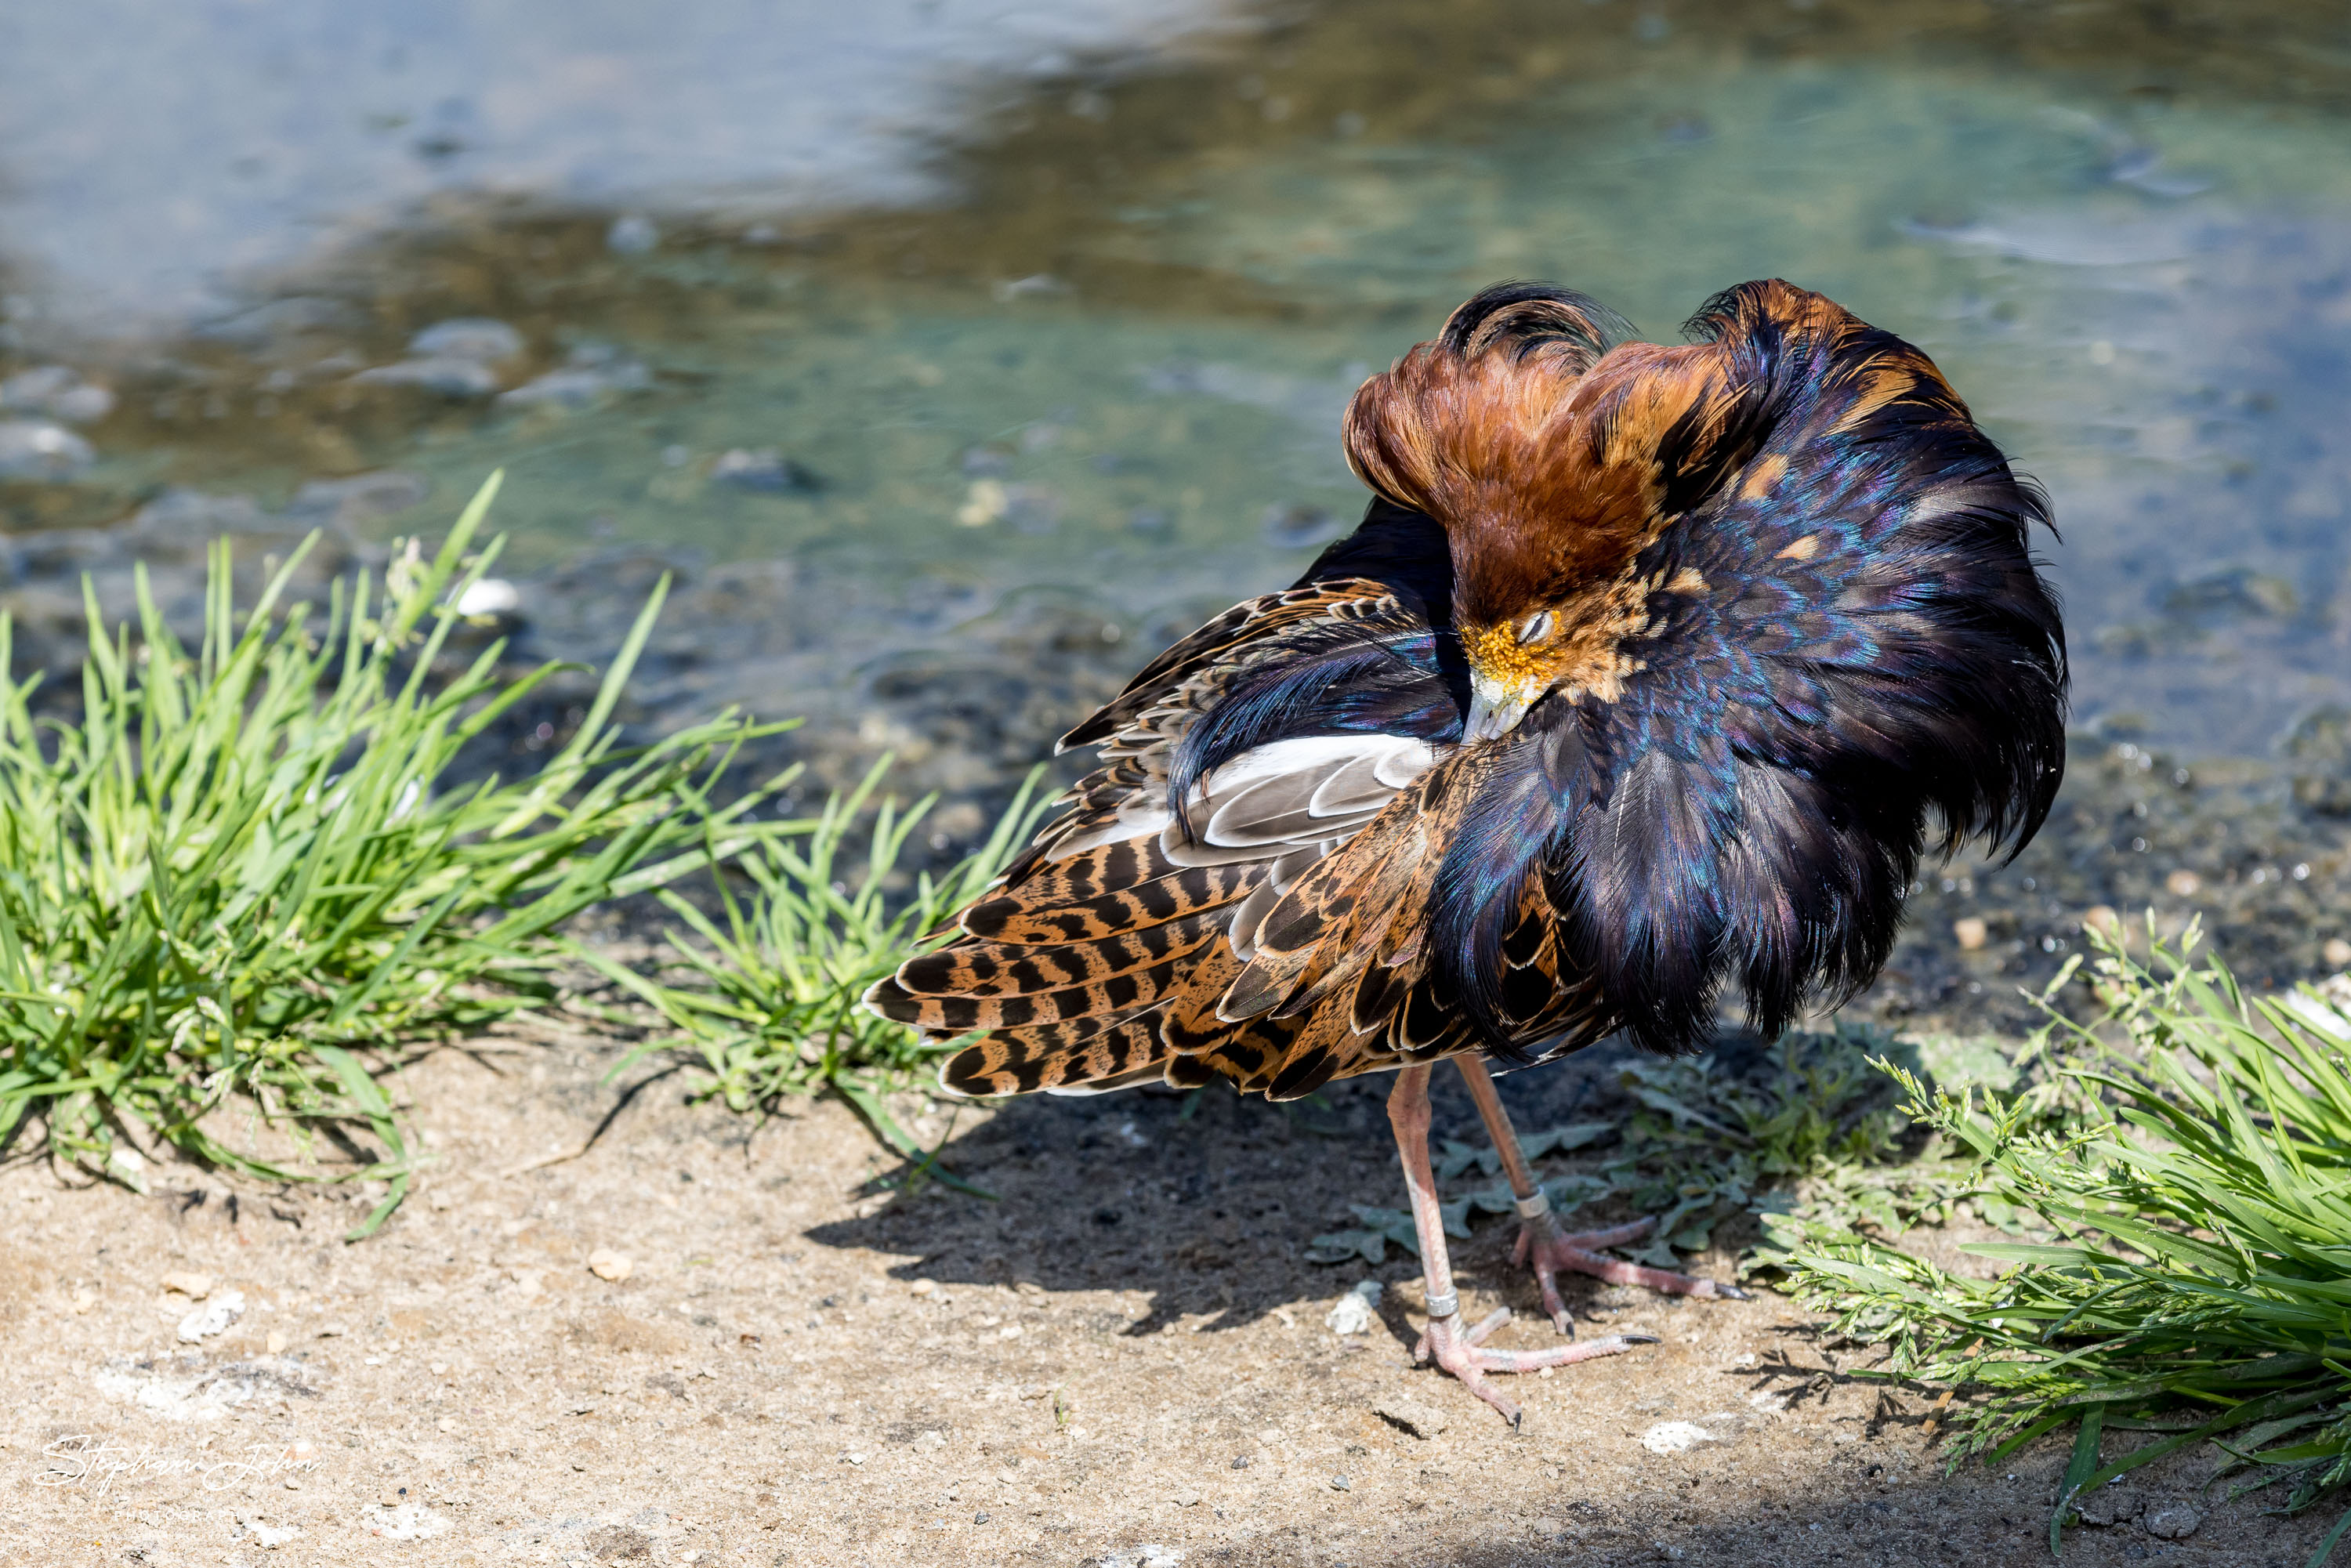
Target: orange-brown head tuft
point(1541, 442)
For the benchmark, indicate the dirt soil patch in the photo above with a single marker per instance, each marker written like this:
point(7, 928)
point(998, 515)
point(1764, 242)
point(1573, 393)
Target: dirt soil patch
point(701, 1342)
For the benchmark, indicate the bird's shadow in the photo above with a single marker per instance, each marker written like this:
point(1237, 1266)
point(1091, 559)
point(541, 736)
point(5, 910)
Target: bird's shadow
point(1205, 1203)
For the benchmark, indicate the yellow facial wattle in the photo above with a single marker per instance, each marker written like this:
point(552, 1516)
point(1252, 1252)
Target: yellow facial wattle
point(1506, 664)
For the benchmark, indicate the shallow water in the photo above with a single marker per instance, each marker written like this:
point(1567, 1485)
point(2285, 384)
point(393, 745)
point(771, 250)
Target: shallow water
point(958, 317)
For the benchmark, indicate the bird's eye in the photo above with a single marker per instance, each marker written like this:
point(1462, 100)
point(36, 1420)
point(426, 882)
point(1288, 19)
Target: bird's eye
point(1537, 627)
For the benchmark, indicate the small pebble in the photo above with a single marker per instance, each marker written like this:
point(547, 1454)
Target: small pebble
point(1675, 1438)
point(632, 234)
point(467, 338)
point(765, 469)
point(57, 392)
point(1357, 1310)
point(607, 1264)
point(1972, 933)
point(2172, 1521)
point(577, 386)
point(189, 1283)
point(447, 375)
point(2337, 953)
point(2182, 884)
point(1035, 283)
point(83, 1301)
point(488, 596)
point(41, 449)
point(922, 1287)
point(986, 501)
point(211, 1318)
point(1340, 1483)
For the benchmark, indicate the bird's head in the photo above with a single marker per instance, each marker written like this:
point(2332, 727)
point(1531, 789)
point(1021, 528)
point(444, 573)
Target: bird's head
point(1547, 448)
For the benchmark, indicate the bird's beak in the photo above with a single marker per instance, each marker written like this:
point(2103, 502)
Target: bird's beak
point(1495, 709)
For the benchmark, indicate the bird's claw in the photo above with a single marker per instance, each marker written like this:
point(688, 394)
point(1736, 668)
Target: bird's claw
point(1462, 1353)
point(1552, 1251)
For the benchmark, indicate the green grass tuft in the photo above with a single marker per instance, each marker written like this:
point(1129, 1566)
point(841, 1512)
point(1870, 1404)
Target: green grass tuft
point(1810, 1135)
point(765, 997)
point(242, 863)
point(2187, 1158)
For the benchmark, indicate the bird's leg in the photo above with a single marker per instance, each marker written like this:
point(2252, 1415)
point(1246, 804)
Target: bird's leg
point(1540, 1240)
point(1462, 1352)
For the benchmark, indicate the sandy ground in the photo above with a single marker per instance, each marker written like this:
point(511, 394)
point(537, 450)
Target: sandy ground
point(1123, 1360)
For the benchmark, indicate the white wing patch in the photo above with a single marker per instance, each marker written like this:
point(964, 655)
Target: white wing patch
point(1139, 816)
point(1292, 803)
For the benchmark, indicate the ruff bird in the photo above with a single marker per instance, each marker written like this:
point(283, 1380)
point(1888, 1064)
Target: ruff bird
point(1649, 676)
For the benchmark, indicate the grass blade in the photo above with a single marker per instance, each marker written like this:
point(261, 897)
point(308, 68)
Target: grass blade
point(2078, 1470)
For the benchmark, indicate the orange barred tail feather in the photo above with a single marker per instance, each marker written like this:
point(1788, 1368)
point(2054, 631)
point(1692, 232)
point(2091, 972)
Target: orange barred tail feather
point(1014, 1062)
point(1093, 916)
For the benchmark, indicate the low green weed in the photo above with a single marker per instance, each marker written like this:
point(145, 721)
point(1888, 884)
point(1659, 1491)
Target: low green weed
point(2196, 1280)
point(765, 997)
point(245, 862)
point(1810, 1137)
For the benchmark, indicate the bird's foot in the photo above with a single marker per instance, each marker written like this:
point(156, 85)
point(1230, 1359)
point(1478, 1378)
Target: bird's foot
point(1552, 1251)
point(1462, 1353)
